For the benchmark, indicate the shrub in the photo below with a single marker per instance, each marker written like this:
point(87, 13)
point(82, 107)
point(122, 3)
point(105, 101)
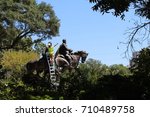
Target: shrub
point(14, 61)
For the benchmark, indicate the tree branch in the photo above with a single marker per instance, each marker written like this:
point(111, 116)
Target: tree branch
point(133, 33)
point(19, 37)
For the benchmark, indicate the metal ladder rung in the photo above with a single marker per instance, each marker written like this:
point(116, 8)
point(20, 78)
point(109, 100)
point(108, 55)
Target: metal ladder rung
point(52, 73)
point(53, 80)
point(52, 70)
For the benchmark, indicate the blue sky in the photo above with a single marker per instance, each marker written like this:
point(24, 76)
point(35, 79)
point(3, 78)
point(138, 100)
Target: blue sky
point(84, 29)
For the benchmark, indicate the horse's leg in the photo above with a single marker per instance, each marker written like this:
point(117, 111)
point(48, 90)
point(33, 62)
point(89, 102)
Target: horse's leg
point(58, 72)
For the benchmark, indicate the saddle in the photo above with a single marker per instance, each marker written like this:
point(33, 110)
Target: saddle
point(62, 56)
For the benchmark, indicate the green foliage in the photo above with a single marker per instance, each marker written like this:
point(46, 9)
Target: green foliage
point(40, 47)
point(140, 31)
point(76, 85)
point(119, 69)
point(142, 8)
point(12, 89)
point(119, 7)
point(25, 45)
point(24, 19)
point(14, 61)
point(72, 85)
point(142, 63)
point(93, 70)
point(92, 80)
point(45, 97)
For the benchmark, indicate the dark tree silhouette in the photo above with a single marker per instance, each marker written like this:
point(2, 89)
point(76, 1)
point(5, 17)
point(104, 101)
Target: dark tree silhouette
point(119, 7)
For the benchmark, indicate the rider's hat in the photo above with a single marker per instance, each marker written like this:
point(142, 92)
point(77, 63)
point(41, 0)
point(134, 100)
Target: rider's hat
point(64, 40)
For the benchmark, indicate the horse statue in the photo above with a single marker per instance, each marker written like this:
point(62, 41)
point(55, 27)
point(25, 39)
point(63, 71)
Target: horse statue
point(41, 65)
point(38, 65)
point(61, 62)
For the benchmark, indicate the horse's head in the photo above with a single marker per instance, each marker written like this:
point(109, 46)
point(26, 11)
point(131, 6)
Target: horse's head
point(37, 65)
point(83, 55)
point(44, 55)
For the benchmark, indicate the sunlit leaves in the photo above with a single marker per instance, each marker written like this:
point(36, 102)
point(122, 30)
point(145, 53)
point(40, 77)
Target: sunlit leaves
point(16, 60)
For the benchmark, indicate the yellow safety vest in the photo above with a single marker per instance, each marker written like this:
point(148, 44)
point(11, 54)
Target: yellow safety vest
point(51, 50)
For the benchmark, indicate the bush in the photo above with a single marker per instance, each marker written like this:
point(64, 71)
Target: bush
point(14, 61)
point(11, 71)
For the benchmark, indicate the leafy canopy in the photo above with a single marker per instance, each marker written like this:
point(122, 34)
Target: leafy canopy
point(24, 19)
point(119, 7)
point(16, 60)
point(142, 63)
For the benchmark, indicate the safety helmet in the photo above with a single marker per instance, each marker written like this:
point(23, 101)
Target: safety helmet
point(49, 43)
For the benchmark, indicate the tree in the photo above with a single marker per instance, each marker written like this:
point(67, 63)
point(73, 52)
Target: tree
point(141, 71)
point(40, 47)
point(93, 70)
point(142, 63)
point(15, 61)
point(11, 72)
point(119, 70)
point(119, 7)
point(21, 19)
point(25, 44)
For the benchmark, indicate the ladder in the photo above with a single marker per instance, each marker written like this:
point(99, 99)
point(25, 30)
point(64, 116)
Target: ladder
point(52, 74)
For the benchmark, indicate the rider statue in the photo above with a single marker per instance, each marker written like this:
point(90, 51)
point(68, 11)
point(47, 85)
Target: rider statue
point(65, 51)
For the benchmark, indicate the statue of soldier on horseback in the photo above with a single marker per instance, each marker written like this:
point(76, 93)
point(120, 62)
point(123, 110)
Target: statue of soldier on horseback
point(63, 59)
point(65, 52)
